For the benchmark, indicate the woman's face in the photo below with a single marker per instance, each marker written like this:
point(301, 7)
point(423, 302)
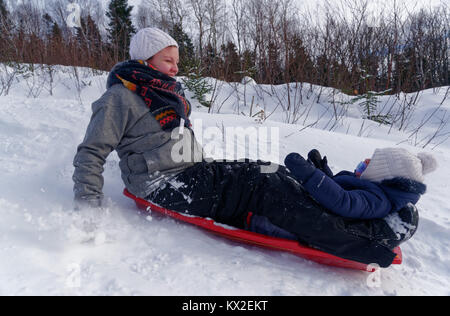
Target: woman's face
point(166, 61)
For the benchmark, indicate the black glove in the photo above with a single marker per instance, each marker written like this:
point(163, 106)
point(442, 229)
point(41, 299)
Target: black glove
point(299, 167)
point(315, 158)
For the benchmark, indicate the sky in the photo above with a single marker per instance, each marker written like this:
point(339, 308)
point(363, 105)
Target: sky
point(373, 4)
point(411, 4)
point(375, 7)
point(315, 7)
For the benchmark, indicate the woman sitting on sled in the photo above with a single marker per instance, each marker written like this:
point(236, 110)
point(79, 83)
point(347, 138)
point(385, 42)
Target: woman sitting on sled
point(138, 115)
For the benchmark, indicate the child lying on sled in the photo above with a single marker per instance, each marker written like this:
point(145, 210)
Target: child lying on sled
point(385, 184)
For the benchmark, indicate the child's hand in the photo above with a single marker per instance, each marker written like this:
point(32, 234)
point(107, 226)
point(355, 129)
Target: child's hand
point(299, 167)
point(316, 159)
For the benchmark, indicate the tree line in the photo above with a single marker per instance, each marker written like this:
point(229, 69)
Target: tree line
point(271, 41)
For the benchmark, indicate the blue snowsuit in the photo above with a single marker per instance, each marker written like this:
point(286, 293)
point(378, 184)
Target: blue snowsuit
point(352, 197)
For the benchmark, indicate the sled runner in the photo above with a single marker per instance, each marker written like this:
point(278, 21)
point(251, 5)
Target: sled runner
point(261, 240)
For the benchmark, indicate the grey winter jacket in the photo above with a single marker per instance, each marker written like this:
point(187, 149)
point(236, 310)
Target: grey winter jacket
point(121, 121)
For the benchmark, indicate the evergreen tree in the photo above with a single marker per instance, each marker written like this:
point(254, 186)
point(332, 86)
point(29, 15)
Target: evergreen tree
point(198, 85)
point(5, 27)
point(89, 38)
point(368, 101)
point(56, 32)
point(55, 43)
point(186, 49)
point(212, 63)
point(48, 22)
point(273, 74)
point(405, 64)
point(95, 37)
point(3, 11)
point(248, 64)
point(5, 21)
point(120, 28)
point(301, 67)
point(323, 71)
point(231, 62)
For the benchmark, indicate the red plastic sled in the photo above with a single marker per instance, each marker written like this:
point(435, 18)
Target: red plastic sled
point(261, 240)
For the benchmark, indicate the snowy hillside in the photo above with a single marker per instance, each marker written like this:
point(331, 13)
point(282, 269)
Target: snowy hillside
point(48, 249)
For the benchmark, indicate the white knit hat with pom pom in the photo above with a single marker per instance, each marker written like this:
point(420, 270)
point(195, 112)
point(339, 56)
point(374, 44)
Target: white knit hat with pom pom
point(388, 163)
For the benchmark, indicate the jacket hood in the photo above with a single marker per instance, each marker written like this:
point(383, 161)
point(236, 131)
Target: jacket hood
point(402, 191)
point(404, 184)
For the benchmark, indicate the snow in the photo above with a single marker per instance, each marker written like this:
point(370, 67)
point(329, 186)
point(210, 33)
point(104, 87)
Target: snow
point(400, 227)
point(47, 248)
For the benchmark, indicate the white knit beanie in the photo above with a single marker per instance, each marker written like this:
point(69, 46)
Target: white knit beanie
point(149, 41)
point(388, 163)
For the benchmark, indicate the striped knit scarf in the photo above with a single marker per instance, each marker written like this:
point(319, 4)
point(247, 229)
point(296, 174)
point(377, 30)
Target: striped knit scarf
point(162, 94)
